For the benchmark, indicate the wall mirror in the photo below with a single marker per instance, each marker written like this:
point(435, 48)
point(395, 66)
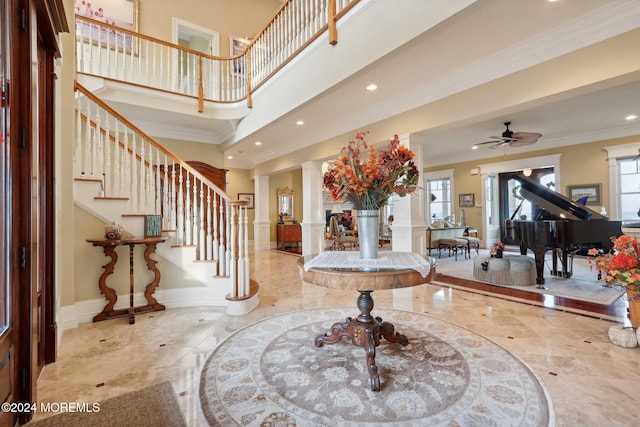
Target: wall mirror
point(285, 204)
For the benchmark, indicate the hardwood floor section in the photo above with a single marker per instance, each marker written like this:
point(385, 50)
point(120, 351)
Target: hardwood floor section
point(619, 309)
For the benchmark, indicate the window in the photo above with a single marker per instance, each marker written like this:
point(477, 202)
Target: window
point(439, 198)
point(629, 190)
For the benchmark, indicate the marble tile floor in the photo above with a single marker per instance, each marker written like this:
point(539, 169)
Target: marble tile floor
point(591, 381)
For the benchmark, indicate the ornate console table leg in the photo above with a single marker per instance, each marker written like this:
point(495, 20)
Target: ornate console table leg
point(108, 292)
point(152, 303)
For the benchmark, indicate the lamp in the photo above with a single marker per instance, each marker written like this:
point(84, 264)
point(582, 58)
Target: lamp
point(337, 209)
point(527, 172)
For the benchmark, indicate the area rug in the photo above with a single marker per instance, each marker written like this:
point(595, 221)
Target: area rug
point(152, 406)
point(582, 286)
point(271, 373)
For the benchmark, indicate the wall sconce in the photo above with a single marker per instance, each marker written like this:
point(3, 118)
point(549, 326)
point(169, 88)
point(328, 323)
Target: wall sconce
point(527, 172)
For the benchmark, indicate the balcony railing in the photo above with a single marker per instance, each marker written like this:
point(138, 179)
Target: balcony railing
point(119, 54)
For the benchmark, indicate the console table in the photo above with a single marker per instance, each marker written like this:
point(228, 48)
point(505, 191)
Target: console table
point(288, 233)
point(366, 330)
point(109, 246)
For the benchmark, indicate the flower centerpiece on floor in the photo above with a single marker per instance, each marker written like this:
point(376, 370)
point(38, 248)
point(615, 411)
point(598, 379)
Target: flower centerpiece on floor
point(366, 176)
point(621, 267)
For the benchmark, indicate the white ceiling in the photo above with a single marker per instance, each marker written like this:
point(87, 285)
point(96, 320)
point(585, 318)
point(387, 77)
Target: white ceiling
point(451, 77)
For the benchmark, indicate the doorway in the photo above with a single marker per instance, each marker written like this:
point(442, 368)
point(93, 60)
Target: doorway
point(201, 40)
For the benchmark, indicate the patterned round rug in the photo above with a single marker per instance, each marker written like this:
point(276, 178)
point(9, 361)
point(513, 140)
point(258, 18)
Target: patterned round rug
point(272, 374)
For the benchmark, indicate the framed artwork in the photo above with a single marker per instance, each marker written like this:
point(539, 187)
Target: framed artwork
point(248, 197)
point(119, 13)
point(590, 191)
point(466, 200)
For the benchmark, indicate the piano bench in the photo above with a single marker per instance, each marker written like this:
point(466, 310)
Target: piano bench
point(453, 245)
point(516, 270)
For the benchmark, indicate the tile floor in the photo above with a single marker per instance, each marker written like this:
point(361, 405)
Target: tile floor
point(591, 381)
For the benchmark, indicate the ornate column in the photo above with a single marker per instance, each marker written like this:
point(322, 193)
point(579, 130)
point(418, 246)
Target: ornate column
point(261, 223)
point(313, 221)
point(409, 226)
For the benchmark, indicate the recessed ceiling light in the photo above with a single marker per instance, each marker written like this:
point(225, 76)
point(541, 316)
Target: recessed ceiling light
point(474, 147)
point(631, 117)
point(299, 122)
point(258, 143)
point(229, 157)
point(372, 87)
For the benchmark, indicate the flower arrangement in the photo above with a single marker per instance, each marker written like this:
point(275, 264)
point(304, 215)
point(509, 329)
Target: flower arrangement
point(366, 176)
point(497, 248)
point(620, 266)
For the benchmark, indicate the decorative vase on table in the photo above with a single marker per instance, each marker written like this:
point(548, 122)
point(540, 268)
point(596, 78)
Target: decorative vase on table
point(633, 296)
point(368, 233)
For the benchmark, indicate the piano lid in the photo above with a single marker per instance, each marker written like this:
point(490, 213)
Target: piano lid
point(553, 202)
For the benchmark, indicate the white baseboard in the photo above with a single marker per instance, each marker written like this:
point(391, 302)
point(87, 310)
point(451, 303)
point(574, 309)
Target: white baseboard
point(83, 311)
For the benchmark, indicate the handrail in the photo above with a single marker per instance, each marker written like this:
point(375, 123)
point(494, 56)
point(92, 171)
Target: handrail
point(119, 54)
point(184, 165)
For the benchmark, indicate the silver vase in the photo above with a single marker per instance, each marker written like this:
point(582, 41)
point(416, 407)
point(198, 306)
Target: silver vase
point(368, 233)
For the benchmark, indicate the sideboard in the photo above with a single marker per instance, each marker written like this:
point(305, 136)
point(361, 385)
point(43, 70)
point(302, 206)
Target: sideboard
point(288, 233)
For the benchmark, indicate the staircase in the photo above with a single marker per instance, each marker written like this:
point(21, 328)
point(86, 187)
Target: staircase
point(122, 175)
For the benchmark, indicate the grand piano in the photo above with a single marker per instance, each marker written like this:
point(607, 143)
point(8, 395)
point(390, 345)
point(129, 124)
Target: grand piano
point(562, 226)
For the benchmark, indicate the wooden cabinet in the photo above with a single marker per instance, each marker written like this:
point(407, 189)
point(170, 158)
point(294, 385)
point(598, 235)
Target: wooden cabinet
point(289, 233)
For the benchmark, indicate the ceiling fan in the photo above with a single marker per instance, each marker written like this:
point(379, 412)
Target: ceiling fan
point(512, 139)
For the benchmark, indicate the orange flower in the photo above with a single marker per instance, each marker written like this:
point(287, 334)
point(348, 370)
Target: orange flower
point(368, 185)
point(619, 267)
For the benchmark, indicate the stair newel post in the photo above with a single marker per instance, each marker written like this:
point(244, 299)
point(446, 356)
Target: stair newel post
point(246, 283)
point(233, 251)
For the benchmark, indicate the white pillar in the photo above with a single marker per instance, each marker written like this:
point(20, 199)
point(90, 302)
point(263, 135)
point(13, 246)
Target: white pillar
point(313, 221)
point(261, 223)
point(409, 226)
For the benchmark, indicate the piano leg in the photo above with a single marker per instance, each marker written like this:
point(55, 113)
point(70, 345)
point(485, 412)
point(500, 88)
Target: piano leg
point(539, 256)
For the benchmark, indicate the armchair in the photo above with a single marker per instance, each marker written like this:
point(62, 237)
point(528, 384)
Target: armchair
point(338, 236)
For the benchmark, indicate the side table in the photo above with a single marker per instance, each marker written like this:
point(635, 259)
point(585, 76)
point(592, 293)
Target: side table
point(365, 330)
point(109, 246)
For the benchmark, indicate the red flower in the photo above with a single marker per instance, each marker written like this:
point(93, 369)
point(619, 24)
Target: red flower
point(369, 185)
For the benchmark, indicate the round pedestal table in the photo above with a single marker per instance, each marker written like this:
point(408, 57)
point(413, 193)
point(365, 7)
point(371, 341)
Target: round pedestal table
point(364, 330)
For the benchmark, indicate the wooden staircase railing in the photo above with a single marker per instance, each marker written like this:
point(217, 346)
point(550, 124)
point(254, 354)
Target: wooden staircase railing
point(131, 166)
point(116, 53)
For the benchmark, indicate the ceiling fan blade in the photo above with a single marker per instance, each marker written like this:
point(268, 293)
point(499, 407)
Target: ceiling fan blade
point(522, 142)
point(503, 138)
point(499, 144)
point(527, 135)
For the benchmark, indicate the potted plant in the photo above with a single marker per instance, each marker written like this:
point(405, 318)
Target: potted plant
point(620, 267)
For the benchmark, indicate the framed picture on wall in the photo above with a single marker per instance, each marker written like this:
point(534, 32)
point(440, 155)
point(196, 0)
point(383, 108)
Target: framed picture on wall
point(119, 13)
point(466, 200)
point(590, 191)
point(247, 197)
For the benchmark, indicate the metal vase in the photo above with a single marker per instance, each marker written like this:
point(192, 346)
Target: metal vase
point(368, 233)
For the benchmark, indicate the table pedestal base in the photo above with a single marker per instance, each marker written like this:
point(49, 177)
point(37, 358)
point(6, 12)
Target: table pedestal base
point(364, 331)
